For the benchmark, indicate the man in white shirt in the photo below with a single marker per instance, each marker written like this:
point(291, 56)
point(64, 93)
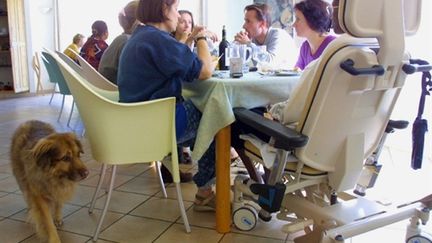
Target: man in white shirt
point(257, 31)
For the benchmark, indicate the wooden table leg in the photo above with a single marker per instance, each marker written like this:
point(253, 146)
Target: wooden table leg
point(223, 199)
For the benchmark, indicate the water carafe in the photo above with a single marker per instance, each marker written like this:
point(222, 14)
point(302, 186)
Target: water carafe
point(237, 50)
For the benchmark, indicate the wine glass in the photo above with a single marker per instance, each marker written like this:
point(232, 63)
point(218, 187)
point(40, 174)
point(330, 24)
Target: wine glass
point(260, 56)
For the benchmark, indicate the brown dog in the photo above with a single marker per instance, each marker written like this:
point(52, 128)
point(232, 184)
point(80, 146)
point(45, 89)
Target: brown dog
point(47, 166)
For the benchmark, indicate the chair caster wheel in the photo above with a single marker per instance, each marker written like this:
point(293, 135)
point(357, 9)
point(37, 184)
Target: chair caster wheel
point(264, 216)
point(419, 239)
point(245, 218)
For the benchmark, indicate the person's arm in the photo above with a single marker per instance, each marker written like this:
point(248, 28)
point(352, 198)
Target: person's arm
point(204, 55)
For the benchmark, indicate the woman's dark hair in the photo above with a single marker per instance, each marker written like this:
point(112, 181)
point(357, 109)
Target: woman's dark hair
point(262, 11)
point(151, 11)
point(99, 28)
point(190, 14)
point(318, 14)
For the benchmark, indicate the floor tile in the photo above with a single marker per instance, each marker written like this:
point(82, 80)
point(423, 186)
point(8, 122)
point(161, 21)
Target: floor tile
point(143, 185)
point(9, 184)
point(83, 195)
point(160, 208)
point(241, 238)
point(6, 168)
point(67, 210)
point(188, 191)
point(65, 237)
point(11, 204)
point(176, 233)
point(83, 223)
point(133, 169)
point(4, 176)
point(14, 231)
point(133, 229)
point(200, 219)
point(121, 202)
point(93, 179)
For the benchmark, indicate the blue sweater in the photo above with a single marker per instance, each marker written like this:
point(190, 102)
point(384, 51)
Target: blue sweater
point(153, 65)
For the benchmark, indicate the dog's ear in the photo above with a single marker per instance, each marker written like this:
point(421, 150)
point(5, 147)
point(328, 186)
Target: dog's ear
point(43, 152)
point(77, 142)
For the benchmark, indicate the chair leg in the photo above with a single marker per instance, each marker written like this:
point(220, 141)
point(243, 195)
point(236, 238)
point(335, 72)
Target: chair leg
point(105, 209)
point(158, 169)
point(39, 87)
point(61, 108)
point(99, 185)
point(182, 208)
point(252, 171)
point(52, 95)
point(70, 114)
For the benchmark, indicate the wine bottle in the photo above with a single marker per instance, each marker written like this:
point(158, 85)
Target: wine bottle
point(222, 47)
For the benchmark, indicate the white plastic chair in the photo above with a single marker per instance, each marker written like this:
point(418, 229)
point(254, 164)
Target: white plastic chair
point(57, 78)
point(93, 76)
point(77, 68)
point(125, 133)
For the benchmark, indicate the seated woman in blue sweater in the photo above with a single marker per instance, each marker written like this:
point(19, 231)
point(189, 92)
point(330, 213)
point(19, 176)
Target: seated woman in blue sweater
point(154, 64)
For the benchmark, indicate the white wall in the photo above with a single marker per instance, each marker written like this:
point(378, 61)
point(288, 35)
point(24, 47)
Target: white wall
point(77, 17)
point(39, 15)
point(226, 12)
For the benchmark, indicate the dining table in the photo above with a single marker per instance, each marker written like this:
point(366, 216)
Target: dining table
point(215, 98)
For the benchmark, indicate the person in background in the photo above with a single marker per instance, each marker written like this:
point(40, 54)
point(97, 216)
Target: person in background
point(108, 64)
point(95, 45)
point(287, 112)
point(186, 31)
point(313, 22)
point(153, 65)
point(257, 31)
point(72, 50)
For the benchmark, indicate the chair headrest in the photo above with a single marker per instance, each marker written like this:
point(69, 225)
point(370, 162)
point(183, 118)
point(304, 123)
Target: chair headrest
point(387, 20)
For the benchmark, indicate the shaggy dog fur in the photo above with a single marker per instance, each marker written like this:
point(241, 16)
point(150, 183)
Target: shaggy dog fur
point(47, 166)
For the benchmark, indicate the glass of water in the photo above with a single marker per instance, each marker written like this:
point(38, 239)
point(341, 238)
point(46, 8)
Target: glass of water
point(260, 57)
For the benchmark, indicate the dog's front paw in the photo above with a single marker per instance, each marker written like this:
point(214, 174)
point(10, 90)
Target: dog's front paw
point(58, 223)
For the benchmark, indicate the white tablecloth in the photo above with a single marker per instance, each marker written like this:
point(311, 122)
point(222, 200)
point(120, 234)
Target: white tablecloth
point(217, 96)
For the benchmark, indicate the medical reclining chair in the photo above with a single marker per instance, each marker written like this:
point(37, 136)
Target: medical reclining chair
point(355, 87)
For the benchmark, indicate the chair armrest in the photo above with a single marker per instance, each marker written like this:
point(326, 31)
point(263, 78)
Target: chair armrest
point(284, 137)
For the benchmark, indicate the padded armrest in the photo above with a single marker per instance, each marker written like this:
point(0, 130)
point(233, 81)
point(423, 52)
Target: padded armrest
point(284, 137)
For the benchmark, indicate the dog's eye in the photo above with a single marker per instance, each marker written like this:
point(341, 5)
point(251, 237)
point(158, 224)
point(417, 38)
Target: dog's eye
point(66, 158)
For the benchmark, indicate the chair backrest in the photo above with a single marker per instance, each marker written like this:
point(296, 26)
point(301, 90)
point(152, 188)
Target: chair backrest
point(111, 95)
point(354, 90)
point(53, 72)
point(93, 76)
point(69, 61)
point(121, 133)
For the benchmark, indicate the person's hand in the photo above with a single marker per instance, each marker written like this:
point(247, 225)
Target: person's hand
point(242, 37)
point(212, 36)
point(197, 32)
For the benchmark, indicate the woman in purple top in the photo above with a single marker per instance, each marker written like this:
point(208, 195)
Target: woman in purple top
point(313, 22)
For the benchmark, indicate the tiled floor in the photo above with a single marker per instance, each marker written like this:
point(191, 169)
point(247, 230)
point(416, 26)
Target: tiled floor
point(139, 213)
